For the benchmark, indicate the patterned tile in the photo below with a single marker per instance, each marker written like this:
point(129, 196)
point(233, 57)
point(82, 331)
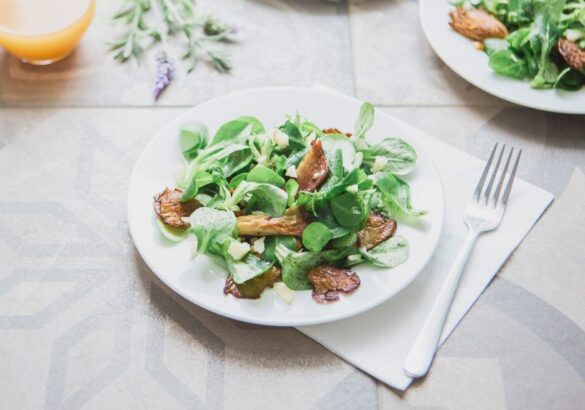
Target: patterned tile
point(394, 64)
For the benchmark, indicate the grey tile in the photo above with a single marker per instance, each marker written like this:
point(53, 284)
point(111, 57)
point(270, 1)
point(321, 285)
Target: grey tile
point(553, 144)
point(116, 334)
point(394, 64)
point(282, 43)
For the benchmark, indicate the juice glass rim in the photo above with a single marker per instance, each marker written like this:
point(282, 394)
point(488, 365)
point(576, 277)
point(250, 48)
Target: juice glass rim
point(7, 30)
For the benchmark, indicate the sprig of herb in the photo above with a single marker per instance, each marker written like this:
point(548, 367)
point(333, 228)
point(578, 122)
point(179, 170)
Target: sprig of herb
point(175, 17)
point(130, 44)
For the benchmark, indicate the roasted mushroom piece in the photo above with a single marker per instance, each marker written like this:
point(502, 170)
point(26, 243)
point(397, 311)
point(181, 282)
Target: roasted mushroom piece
point(292, 223)
point(328, 281)
point(477, 24)
point(571, 53)
point(253, 288)
point(336, 131)
point(313, 169)
point(376, 231)
point(171, 210)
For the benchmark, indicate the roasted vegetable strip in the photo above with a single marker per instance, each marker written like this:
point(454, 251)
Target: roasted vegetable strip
point(313, 169)
point(171, 210)
point(253, 288)
point(291, 224)
point(336, 131)
point(329, 281)
point(571, 53)
point(476, 24)
point(376, 231)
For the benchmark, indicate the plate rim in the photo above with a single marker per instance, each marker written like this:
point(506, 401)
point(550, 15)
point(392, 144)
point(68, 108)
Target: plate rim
point(423, 4)
point(261, 320)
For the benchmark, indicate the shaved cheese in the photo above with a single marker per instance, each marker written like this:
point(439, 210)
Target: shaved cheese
point(291, 172)
point(258, 245)
point(360, 144)
point(280, 138)
point(352, 188)
point(284, 292)
point(238, 250)
point(379, 164)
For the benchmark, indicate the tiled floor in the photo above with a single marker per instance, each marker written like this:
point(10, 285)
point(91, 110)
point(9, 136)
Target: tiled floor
point(84, 323)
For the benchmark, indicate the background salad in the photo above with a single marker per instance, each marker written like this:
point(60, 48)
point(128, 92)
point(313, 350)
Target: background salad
point(540, 40)
point(294, 207)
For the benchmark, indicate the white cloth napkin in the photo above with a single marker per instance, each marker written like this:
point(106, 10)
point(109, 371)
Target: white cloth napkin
point(379, 340)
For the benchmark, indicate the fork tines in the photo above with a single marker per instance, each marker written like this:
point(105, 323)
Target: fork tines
point(489, 193)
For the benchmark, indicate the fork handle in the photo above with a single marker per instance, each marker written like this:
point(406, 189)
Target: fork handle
point(421, 354)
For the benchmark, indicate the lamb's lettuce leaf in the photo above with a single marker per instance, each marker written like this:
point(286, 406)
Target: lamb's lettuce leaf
point(295, 266)
point(365, 120)
point(395, 194)
point(400, 157)
point(390, 253)
point(211, 228)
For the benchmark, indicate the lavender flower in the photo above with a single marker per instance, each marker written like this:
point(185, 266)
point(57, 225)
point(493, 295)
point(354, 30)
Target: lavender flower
point(165, 70)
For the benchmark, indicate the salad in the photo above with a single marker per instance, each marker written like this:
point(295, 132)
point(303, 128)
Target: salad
point(539, 40)
point(293, 207)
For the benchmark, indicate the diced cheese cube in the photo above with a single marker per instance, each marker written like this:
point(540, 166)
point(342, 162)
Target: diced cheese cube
point(280, 138)
point(291, 172)
point(258, 245)
point(284, 292)
point(379, 164)
point(238, 250)
point(360, 144)
point(352, 188)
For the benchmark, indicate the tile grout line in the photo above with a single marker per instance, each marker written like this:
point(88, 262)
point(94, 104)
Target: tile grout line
point(352, 49)
point(378, 105)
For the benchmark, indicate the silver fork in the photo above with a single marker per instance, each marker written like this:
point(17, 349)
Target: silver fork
point(484, 213)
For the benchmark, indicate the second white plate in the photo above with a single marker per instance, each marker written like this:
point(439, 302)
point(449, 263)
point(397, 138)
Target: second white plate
point(458, 53)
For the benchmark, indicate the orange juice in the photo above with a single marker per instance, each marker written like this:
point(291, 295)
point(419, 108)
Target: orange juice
point(43, 31)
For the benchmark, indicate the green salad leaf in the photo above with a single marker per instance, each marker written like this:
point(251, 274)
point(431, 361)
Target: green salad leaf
point(389, 254)
point(253, 214)
point(365, 120)
point(398, 156)
point(194, 136)
point(396, 194)
point(211, 228)
point(295, 266)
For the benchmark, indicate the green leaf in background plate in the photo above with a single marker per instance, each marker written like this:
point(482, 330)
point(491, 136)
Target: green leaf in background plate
point(507, 63)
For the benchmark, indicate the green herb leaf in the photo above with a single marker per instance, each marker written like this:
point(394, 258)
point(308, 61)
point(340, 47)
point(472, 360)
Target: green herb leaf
point(263, 174)
point(295, 266)
point(194, 136)
point(315, 236)
point(396, 194)
point(211, 228)
point(507, 63)
point(389, 254)
point(365, 120)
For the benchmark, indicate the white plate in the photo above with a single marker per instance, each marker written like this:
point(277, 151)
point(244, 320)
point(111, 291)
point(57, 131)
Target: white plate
point(201, 281)
point(458, 53)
